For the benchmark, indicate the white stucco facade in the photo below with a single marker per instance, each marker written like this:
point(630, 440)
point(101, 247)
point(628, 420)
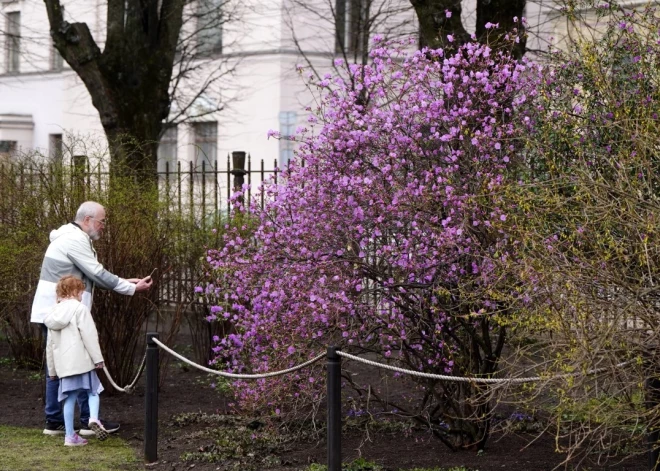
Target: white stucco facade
point(262, 43)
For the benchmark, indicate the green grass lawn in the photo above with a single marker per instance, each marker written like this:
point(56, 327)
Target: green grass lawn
point(23, 449)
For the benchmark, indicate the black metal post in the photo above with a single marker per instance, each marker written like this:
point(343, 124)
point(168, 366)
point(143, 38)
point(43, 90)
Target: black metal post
point(151, 402)
point(334, 409)
point(238, 169)
point(653, 434)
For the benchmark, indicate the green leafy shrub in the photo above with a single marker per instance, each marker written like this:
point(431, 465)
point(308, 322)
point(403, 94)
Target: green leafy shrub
point(587, 206)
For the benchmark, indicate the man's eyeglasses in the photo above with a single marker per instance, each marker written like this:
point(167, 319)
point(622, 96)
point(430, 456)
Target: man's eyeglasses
point(100, 221)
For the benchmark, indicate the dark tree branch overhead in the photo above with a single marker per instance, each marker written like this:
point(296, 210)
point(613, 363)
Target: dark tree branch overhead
point(129, 80)
point(439, 18)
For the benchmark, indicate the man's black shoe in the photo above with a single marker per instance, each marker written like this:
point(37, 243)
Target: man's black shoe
point(54, 428)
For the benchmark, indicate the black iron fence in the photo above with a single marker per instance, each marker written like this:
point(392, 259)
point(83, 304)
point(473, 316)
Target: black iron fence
point(200, 195)
point(188, 189)
point(204, 192)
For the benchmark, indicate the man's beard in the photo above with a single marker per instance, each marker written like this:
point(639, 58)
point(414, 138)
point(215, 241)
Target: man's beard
point(94, 235)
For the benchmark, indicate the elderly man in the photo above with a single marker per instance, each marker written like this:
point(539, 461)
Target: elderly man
point(71, 253)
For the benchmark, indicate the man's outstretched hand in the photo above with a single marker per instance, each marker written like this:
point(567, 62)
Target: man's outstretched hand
point(143, 284)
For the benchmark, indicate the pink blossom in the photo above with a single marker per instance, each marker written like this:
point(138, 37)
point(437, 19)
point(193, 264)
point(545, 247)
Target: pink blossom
point(381, 209)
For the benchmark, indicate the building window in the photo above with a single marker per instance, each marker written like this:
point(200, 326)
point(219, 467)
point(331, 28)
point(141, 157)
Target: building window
point(55, 147)
point(287, 132)
point(352, 26)
point(209, 26)
point(7, 149)
point(167, 150)
point(13, 41)
point(206, 145)
point(56, 60)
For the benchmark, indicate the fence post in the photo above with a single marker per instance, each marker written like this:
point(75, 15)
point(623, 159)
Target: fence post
point(653, 433)
point(334, 409)
point(238, 171)
point(151, 401)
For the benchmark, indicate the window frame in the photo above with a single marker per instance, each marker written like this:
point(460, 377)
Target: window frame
point(13, 42)
point(56, 147)
point(169, 139)
point(351, 25)
point(201, 138)
point(205, 33)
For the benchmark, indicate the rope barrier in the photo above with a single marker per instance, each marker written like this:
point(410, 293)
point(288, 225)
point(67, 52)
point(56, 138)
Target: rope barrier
point(462, 379)
point(236, 375)
point(126, 389)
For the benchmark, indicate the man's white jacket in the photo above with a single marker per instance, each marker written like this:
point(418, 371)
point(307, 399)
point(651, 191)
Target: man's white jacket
point(73, 342)
point(71, 253)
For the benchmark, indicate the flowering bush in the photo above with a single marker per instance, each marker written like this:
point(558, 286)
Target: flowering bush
point(385, 235)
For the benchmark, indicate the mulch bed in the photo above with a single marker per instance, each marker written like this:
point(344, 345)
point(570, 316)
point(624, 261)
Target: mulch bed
point(183, 392)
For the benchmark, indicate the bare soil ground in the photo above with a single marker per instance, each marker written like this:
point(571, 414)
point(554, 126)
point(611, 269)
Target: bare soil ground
point(187, 392)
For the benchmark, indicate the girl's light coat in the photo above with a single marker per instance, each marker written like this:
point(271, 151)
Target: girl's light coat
point(73, 342)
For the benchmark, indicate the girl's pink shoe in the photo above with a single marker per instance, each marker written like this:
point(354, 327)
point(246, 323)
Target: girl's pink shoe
point(74, 441)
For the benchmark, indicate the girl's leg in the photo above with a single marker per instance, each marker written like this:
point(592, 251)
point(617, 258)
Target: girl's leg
point(94, 424)
point(68, 409)
point(94, 403)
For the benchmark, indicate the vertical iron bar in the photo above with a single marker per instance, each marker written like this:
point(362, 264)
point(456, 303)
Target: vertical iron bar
point(29, 185)
point(191, 209)
point(151, 401)
point(168, 204)
point(167, 186)
point(98, 179)
point(263, 176)
point(179, 233)
point(89, 179)
point(334, 409)
point(249, 172)
point(178, 177)
point(228, 188)
point(187, 277)
point(216, 208)
point(203, 195)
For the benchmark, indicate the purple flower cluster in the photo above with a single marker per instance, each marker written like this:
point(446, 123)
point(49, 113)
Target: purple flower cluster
point(390, 205)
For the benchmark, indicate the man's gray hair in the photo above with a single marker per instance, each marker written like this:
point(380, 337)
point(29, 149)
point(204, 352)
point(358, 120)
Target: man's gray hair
point(88, 208)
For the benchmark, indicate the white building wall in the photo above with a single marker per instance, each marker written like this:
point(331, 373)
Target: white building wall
point(252, 109)
point(57, 102)
point(261, 45)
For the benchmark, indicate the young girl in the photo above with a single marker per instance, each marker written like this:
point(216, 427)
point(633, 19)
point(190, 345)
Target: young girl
point(73, 353)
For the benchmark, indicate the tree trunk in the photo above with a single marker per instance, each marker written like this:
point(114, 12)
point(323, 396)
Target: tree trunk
point(129, 80)
point(501, 12)
point(437, 19)
point(440, 18)
point(134, 149)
